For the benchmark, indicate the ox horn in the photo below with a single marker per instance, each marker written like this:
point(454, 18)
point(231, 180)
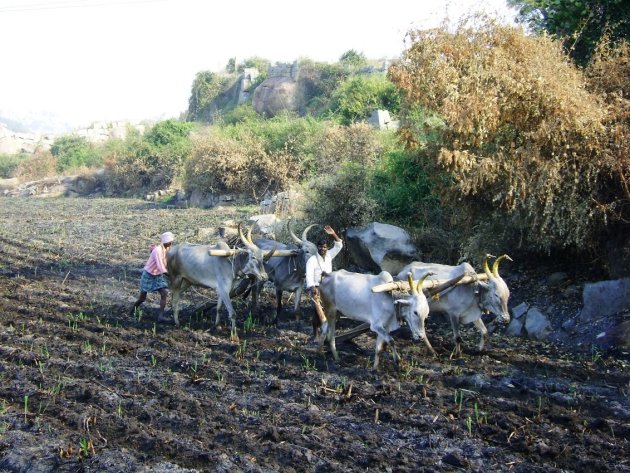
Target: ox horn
point(414, 291)
point(421, 282)
point(270, 254)
point(495, 266)
point(305, 232)
point(293, 235)
point(485, 266)
point(246, 242)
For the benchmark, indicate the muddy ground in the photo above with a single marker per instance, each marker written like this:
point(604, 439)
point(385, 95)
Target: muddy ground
point(86, 387)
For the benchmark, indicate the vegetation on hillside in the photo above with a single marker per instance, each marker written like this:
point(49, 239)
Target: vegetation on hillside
point(506, 145)
point(530, 147)
point(581, 25)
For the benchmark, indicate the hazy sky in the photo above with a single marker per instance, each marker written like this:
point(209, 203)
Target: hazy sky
point(88, 60)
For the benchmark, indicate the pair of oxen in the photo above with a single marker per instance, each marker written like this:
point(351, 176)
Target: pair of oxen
point(381, 301)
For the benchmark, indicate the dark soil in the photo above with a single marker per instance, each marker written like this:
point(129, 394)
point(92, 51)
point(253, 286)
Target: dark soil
point(86, 387)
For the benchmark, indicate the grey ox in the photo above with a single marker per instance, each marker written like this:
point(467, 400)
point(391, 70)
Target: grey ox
point(465, 303)
point(351, 295)
point(287, 273)
point(192, 265)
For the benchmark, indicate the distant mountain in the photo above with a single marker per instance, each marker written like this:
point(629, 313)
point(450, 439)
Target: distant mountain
point(34, 123)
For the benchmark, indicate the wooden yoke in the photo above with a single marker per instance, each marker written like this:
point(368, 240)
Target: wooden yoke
point(431, 285)
point(265, 253)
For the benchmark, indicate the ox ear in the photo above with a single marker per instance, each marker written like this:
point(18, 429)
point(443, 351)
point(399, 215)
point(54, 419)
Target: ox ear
point(495, 266)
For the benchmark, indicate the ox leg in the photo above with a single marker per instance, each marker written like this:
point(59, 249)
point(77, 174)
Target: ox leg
point(457, 351)
point(296, 304)
point(177, 287)
point(224, 296)
point(278, 305)
point(484, 333)
point(175, 304)
point(383, 339)
point(332, 342)
point(255, 295)
point(217, 318)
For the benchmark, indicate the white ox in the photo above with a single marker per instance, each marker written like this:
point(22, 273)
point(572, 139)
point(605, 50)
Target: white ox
point(465, 303)
point(192, 265)
point(351, 295)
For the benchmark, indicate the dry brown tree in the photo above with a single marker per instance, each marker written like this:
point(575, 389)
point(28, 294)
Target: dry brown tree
point(525, 138)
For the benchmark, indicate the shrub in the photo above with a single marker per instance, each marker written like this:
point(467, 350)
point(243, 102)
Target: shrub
point(220, 164)
point(355, 98)
point(137, 164)
point(284, 133)
point(73, 152)
point(522, 139)
point(342, 199)
point(41, 164)
point(9, 164)
point(358, 143)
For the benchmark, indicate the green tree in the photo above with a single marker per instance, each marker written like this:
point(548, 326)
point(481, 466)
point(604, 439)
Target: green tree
point(168, 132)
point(206, 87)
point(579, 23)
point(356, 97)
point(257, 62)
point(73, 151)
point(353, 59)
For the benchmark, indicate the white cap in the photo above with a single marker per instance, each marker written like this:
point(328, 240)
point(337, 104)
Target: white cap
point(167, 237)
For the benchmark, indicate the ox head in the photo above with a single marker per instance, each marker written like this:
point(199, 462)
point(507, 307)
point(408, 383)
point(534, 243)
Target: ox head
point(254, 263)
point(308, 248)
point(495, 293)
point(415, 309)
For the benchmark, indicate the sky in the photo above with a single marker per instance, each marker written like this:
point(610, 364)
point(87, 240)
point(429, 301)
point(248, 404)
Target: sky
point(81, 61)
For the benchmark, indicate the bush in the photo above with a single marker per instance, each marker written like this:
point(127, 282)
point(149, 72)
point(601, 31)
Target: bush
point(522, 139)
point(284, 134)
point(41, 164)
point(9, 164)
point(355, 98)
point(358, 143)
point(136, 164)
point(73, 152)
point(342, 200)
point(220, 164)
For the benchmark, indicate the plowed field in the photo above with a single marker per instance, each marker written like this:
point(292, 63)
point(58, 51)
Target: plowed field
point(87, 387)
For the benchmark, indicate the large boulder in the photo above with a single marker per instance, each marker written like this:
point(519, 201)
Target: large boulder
point(605, 298)
point(381, 247)
point(276, 94)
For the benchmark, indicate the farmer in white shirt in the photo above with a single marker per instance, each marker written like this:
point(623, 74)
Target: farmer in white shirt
point(316, 266)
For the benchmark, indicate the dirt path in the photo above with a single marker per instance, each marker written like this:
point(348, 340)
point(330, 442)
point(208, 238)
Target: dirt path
point(85, 387)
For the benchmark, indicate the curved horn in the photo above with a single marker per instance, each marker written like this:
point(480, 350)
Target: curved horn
point(485, 266)
point(270, 254)
point(421, 282)
point(293, 235)
point(249, 233)
point(247, 243)
point(305, 232)
point(411, 284)
point(495, 266)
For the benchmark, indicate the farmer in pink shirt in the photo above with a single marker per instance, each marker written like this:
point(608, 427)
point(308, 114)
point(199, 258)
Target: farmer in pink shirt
point(152, 279)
